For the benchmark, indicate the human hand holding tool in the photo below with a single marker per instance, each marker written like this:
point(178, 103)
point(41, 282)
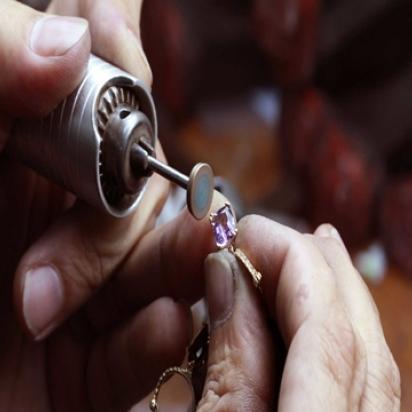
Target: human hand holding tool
point(99, 143)
point(57, 253)
point(60, 256)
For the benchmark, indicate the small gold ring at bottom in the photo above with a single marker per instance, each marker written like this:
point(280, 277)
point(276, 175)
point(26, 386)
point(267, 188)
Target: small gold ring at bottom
point(185, 373)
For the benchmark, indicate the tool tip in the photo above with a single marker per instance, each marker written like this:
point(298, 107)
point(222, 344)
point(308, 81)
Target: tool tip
point(200, 190)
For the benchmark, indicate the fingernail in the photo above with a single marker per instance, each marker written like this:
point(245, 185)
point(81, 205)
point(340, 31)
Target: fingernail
point(42, 300)
point(333, 232)
point(55, 36)
point(220, 285)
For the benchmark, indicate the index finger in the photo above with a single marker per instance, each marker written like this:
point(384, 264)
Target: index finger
point(302, 293)
point(168, 261)
point(123, 19)
point(296, 281)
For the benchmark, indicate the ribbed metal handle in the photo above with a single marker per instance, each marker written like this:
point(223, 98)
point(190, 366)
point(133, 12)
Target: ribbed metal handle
point(66, 145)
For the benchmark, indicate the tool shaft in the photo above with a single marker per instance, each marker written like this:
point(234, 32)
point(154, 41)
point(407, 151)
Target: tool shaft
point(168, 172)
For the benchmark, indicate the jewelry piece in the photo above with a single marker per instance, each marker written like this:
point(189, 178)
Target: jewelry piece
point(224, 228)
point(193, 374)
point(256, 275)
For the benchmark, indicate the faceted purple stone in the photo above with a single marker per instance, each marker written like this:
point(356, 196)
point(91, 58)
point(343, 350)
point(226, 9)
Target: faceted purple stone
point(224, 226)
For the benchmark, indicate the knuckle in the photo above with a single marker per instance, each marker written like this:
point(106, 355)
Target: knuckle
point(86, 270)
point(384, 380)
point(339, 356)
point(343, 354)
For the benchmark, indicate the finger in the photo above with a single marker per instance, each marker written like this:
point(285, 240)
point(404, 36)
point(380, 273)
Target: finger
point(37, 51)
point(121, 43)
point(94, 245)
point(382, 389)
point(123, 365)
point(325, 350)
point(75, 257)
point(168, 261)
point(353, 289)
point(240, 374)
point(291, 266)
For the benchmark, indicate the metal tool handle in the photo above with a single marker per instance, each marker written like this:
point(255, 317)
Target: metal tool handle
point(66, 146)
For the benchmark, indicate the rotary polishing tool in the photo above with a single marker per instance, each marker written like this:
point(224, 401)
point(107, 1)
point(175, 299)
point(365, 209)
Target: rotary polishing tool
point(99, 144)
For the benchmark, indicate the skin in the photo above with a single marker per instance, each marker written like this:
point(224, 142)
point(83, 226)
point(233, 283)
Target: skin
point(337, 357)
point(85, 357)
point(115, 331)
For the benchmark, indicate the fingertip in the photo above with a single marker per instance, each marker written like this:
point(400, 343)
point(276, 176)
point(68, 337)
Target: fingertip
point(324, 230)
point(220, 258)
point(45, 69)
point(130, 56)
point(220, 286)
point(329, 231)
point(46, 81)
point(39, 300)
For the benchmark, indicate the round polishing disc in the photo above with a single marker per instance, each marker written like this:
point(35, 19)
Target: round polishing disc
point(200, 190)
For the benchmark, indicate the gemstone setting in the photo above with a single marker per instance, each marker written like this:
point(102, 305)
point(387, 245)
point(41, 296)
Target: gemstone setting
point(224, 226)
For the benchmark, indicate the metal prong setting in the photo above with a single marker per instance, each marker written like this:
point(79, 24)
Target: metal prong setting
point(225, 234)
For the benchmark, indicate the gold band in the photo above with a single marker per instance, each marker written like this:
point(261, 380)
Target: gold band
point(256, 275)
point(186, 373)
point(196, 358)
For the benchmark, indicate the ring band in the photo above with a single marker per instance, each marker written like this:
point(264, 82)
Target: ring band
point(196, 359)
point(255, 274)
point(185, 373)
point(225, 230)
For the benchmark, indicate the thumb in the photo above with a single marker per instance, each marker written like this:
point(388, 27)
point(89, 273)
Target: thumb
point(43, 58)
point(241, 363)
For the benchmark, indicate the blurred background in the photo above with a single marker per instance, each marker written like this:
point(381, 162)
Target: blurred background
point(303, 107)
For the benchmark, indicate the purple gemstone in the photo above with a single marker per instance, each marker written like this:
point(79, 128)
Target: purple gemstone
point(224, 226)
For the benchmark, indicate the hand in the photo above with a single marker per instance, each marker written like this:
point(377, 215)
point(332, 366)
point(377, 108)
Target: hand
point(337, 356)
point(56, 255)
point(43, 63)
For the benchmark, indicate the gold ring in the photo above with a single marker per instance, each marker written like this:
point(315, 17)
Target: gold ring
point(186, 373)
point(255, 274)
point(225, 230)
point(197, 355)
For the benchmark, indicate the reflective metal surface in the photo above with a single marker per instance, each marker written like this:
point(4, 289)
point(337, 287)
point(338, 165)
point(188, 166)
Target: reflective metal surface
point(67, 145)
